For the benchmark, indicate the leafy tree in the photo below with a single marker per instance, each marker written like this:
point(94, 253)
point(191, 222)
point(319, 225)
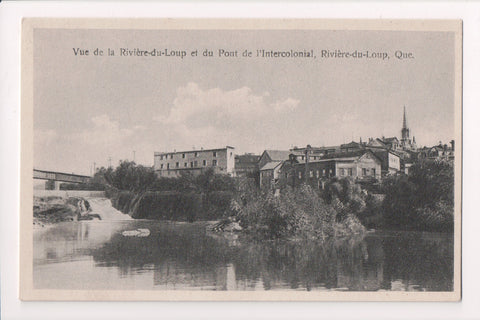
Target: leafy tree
point(130, 176)
point(422, 200)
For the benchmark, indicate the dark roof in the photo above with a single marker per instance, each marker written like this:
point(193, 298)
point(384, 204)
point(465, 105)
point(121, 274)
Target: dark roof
point(376, 141)
point(271, 165)
point(390, 139)
point(345, 155)
point(278, 155)
point(247, 158)
point(383, 151)
point(340, 155)
point(190, 151)
point(352, 144)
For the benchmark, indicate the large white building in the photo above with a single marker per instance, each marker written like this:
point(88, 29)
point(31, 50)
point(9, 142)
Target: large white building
point(172, 164)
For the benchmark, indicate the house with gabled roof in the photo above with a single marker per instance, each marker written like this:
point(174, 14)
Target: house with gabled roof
point(273, 155)
point(269, 173)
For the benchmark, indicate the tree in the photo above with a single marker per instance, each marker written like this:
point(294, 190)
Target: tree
point(422, 200)
point(130, 176)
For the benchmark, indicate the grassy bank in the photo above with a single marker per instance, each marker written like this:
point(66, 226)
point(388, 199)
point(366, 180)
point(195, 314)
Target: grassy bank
point(173, 205)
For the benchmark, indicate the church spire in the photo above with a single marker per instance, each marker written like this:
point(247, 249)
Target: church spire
point(405, 131)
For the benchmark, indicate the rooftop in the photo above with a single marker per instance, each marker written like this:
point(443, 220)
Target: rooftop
point(194, 150)
point(271, 165)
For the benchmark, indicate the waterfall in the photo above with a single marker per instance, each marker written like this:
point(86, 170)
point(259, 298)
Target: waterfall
point(104, 208)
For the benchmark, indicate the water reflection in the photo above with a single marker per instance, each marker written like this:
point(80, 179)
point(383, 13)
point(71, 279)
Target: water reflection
point(184, 256)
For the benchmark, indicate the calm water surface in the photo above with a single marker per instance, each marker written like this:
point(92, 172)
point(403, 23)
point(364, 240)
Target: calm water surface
point(95, 255)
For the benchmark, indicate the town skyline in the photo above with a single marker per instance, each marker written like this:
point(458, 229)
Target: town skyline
point(123, 108)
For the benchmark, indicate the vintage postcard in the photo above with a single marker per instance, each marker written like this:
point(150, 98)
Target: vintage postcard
point(241, 160)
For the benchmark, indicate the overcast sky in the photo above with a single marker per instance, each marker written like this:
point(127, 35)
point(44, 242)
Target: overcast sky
point(88, 109)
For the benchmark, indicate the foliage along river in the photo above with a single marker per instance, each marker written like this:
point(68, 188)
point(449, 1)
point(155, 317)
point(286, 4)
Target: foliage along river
point(184, 256)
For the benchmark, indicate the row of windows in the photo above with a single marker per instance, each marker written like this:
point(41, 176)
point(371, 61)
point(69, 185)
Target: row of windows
point(350, 171)
point(196, 154)
point(311, 157)
point(317, 173)
point(193, 164)
point(342, 172)
point(166, 156)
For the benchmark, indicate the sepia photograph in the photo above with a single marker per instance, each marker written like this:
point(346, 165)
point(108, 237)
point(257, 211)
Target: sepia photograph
point(241, 159)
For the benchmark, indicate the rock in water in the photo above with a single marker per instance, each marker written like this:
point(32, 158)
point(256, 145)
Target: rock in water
point(136, 233)
point(143, 233)
point(232, 227)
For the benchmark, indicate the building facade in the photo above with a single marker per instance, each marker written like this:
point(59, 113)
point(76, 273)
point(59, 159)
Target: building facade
point(359, 165)
point(173, 164)
point(246, 165)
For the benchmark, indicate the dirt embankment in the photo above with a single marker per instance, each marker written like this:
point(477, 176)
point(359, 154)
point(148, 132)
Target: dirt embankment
point(49, 210)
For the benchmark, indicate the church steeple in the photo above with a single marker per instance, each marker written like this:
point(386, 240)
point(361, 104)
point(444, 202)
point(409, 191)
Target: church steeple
point(405, 130)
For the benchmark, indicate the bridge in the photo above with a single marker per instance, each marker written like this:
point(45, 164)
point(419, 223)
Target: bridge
point(53, 178)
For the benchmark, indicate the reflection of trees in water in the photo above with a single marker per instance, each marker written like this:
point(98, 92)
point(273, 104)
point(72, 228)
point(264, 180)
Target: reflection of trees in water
point(186, 255)
point(304, 264)
point(174, 250)
point(416, 259)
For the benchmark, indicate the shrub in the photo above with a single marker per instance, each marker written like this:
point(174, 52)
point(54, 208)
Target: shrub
point(290, 213)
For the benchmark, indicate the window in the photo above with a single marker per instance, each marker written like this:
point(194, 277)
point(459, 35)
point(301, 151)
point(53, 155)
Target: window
point(214, 154)
point(183, 155)
point(311, 173)
point(323, 172)
point(171, 156)
point(299, 174)
point(331, 171)
point(373, 172)
point(177, 165)
point(185, 164)
point(168, 165)
point(350, 172)
point(161, 157)
point(191, 164)
point(204, 163)
point(318, 174)
point(196, 154)
point(231, 154)
point(342, 172)
point(303, 157)
point(195, 164)
point(214, 163)
point(364, 171)
point(161, 166)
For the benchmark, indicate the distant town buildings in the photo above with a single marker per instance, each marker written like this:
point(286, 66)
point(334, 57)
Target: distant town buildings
point(363, 161)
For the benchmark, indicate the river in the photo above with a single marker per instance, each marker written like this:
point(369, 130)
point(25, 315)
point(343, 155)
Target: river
point(178, 256)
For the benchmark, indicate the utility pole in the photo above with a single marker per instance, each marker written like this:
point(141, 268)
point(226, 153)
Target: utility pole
point(133, 155)
point(307, 154)
point(94, 171)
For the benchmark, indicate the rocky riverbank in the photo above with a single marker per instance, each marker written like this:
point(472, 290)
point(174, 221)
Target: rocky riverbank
point(49, 210)
point(53, 209)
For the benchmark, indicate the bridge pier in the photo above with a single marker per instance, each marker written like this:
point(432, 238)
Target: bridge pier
point(52, 185)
